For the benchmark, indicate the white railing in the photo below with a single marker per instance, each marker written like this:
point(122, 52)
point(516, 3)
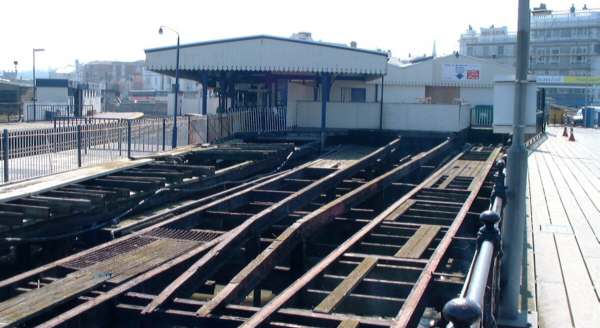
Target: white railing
point(30, 153)
point(79, 142)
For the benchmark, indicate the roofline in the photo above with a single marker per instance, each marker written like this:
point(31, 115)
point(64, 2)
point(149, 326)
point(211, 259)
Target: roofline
point(263, 36)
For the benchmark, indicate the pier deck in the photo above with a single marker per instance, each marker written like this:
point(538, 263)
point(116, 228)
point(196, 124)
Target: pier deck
point(564, 230)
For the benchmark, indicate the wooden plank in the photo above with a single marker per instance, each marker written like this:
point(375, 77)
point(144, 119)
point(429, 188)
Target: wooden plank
point(345, 287)
point(39, 185)
point(416, 245)
point(280, 209)
point(349, 323)
point(401, 209)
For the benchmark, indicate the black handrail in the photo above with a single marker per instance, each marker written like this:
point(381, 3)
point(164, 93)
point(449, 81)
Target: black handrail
point(471, 307)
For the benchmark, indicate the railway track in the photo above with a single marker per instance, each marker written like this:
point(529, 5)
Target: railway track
point(327, 243)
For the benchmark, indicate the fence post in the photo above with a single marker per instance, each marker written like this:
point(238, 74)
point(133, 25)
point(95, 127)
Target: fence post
point(120, 139)
point(129, 139)
point(189, 129)
point(78, 145)
point(5, 153)
point(164, 129)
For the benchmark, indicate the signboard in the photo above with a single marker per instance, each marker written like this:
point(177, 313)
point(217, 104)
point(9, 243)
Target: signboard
point(567, 79)
point(461, 72)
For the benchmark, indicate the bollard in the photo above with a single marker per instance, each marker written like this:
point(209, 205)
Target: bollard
point(565, 134)
point(572, 136)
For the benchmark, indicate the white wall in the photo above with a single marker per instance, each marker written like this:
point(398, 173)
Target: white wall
point(477, 96)
point(192, 104)
point(297, 92)
point(425, 117)
point(396, 116)
point(339, 115)
point(52, 95)
point(336, 90)
point(402, 94)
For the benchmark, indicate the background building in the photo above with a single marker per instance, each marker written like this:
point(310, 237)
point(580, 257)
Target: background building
point(564, 52)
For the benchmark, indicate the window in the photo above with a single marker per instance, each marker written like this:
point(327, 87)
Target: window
point(486, 51)
point(355, 95)
point(500, 51)
point(554, 58)
point(540, 57)
point(469, 51)
point(358, 95)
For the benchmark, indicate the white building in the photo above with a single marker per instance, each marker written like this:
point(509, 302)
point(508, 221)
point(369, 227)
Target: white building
point(331, 86)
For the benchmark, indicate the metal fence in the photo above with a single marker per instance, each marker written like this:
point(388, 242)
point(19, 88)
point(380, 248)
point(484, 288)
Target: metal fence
point(32, 153)
point(482, 116)
point(77, 142)
point(246, 120)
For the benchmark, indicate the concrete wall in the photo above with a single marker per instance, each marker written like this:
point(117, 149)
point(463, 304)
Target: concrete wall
point(297, 92)
point(52, 95)
point(336, 90)
point(402, 94)
point(477, 96)
point(192, 104)
point(396, 116)
point(339, 115)
point(425, 117)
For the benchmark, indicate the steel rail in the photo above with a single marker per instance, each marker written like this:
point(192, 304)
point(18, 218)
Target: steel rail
point(209, 262)
point(407, 316)
point(257, 270)
point(187, 258)
point(280, 300)
point(469, 308)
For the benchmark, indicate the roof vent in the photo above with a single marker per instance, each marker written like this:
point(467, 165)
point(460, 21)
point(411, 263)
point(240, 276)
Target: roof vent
point(353, 44)
point(305, 36)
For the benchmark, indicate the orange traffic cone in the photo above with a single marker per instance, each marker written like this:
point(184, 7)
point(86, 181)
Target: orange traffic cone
point(565, 134)
point(572, 137)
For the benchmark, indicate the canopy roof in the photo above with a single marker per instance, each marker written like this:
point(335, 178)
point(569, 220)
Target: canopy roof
point(265, 53)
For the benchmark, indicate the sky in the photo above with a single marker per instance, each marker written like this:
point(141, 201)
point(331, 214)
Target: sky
point(122, 29)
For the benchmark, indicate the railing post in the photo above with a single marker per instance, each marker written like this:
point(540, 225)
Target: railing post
point(164, 131)
point(78, 145)
point(120, 139)
point(129, 139)
point(5, 153)
point(189, 128)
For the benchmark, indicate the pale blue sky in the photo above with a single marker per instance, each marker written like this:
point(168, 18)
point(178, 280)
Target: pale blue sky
point(121, 30)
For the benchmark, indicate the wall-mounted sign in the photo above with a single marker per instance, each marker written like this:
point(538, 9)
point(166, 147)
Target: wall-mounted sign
point(461, 72)
point(567, 79)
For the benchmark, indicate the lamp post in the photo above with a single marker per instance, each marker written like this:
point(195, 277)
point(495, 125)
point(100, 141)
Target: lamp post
point(161, 31)
point(34, 82)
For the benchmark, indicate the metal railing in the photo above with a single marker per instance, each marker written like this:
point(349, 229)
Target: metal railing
point(476, 304)
point(246, 120)
point(77, 142)
point(31, 153)
point(482, 116)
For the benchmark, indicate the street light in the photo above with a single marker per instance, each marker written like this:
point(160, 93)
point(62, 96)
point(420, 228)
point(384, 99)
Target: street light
point(34, 82)
point(161, 31)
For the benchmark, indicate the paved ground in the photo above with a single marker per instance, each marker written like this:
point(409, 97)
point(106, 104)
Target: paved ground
point(564, 229)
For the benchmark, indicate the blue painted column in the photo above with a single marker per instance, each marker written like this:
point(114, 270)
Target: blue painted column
point(204, 78)
point(325, 87)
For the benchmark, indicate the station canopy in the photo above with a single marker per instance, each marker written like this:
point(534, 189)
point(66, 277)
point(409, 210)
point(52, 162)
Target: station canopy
point(268, 54)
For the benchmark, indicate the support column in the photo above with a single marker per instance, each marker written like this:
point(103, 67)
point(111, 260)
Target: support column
point(325, 87)
point(381, 106)
point(204, 78)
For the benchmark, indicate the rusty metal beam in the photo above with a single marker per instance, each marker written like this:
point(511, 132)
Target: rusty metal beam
point(409, 313)
point(389, 214)
point(209, 262)
point(256, 270)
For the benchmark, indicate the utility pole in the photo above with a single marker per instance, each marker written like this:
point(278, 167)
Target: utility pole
point(513, 227)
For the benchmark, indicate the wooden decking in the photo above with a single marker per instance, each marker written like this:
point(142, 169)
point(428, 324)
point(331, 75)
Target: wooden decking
point(563, 239)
